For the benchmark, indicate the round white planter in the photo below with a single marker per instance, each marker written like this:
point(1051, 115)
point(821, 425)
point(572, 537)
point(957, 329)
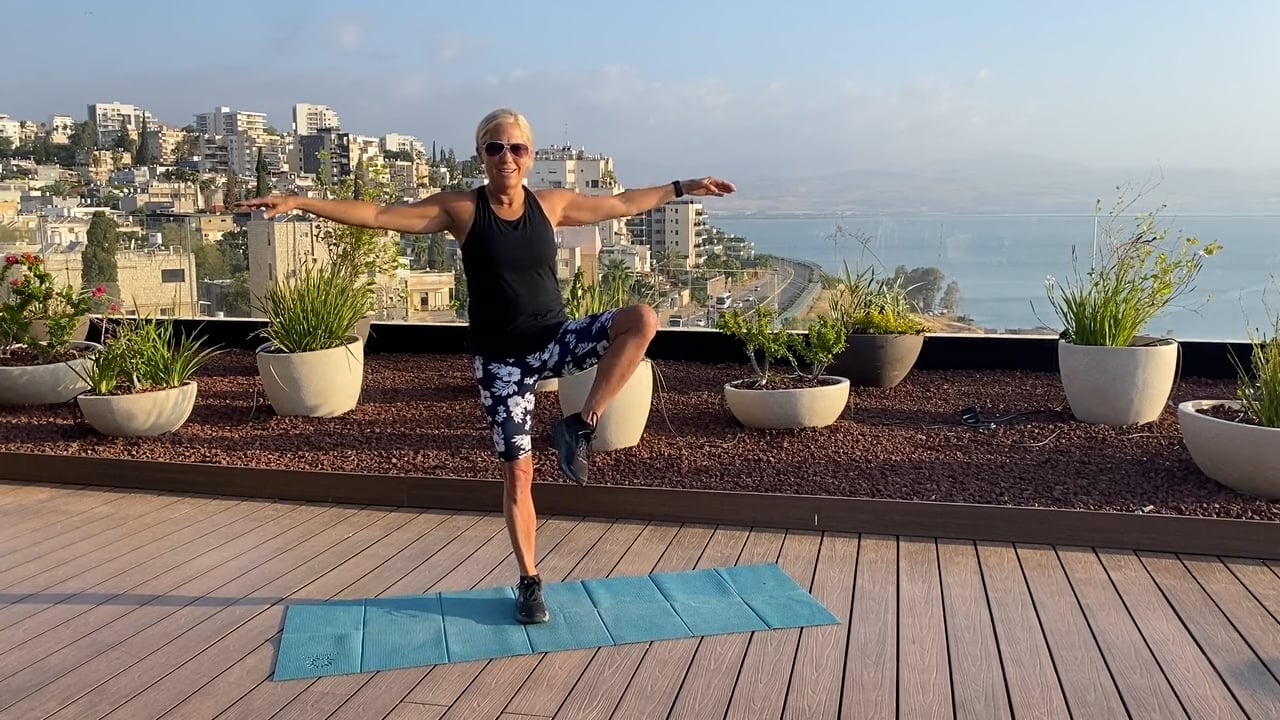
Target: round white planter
point(46, 384)
point(1245, 458)
point(623, 421)
point(145, 414)
point(323, 383)
point(1118, 385)
point(789, 409)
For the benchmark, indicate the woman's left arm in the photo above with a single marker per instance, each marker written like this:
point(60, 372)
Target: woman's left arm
point(569, 207)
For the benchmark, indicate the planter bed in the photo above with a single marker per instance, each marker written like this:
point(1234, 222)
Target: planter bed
point(419, 416)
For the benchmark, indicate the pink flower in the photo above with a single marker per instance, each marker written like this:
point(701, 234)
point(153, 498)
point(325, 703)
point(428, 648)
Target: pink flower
point(10, 259)
point(15, 282)
point(99, 291)
point(114, 308)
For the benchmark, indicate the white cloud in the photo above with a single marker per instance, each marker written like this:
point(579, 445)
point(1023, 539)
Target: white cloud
point(348, 33)
point(983, 75)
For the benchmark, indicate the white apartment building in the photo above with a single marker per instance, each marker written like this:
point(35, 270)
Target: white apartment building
point(589, 173)
point(242, 152)
point(309, 118)
point(673, 228)
point(395, 142)
point(113, 117)
point(60, 127)
point(225, 121)
point(11, 129)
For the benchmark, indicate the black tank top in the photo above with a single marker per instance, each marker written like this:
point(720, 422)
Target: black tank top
point(514, 301)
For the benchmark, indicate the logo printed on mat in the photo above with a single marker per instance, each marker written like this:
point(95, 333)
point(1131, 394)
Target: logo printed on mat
point(320, 661)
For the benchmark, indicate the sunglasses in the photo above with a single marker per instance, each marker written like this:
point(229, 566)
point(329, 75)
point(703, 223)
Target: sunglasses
point(494, 148)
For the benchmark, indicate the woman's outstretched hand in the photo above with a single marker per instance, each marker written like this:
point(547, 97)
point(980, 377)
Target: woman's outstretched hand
point(272, 205)
point(707, 186)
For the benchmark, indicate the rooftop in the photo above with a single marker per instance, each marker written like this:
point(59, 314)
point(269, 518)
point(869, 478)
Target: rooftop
point(1024, 565)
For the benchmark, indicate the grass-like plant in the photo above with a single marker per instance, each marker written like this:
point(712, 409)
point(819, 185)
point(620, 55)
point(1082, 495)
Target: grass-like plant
point(1260, 393)
point(864, 304)
point(142, 355)
point(314, 311)
point(1134, 275)
point(868, 303)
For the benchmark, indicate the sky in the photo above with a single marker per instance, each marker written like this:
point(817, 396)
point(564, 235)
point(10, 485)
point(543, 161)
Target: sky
point(745, 89)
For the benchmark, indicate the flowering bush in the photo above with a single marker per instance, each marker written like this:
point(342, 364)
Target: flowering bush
point(35, 297)
point(1132, 278)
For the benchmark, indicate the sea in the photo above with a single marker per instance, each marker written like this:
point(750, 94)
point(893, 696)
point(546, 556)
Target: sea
point(1002, 262)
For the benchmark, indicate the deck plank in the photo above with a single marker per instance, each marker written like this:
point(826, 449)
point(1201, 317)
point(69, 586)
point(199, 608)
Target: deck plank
point(1034, 687)
point(1146, 691)
point(871, 660)
point(924, 675)
point(246, 684)
point(1087, 684)
point(977, 680)
point(1244, 673)
point(1201, 690)
point(169, 606)
point(817, 676)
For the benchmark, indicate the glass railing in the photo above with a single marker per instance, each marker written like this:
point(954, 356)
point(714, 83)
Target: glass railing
point(969, 273)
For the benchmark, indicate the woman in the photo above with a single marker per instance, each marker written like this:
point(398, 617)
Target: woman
point(519, 331)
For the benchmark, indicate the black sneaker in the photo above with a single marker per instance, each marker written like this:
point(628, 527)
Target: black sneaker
point(530, 608)
point(572, 437)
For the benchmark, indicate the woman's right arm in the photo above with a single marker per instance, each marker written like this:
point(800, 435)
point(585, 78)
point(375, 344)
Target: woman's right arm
point(429, 215)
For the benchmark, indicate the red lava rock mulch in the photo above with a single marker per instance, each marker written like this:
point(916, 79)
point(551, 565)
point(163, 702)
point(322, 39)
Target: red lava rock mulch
point(420, 415)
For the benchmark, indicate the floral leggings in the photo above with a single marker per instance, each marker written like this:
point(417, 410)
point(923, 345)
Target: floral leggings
point(507, 384)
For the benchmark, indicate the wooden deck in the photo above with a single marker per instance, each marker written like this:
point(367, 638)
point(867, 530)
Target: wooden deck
point(128, 604)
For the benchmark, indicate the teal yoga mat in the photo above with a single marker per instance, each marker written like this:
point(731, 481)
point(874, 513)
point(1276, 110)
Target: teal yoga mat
point(339, 637)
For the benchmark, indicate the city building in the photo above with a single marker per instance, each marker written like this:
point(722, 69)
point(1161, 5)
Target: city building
point(114, 118)
point(674, 229)
point(309, 119)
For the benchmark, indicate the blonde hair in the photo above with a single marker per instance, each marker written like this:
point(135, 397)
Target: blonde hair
point(502, 116)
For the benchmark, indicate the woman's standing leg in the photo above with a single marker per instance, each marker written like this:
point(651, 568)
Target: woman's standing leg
point(507, 396)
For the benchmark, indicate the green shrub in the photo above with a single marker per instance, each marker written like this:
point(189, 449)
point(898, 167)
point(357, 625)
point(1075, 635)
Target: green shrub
point(755, 329)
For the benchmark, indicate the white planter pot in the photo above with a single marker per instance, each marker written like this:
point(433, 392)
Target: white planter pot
point(1118, 386)
point(50, 384)
point(1245, 458)
point(623, 421)
point(144, 414)
point(788, 409)
point(323, 383)
point(548, 385)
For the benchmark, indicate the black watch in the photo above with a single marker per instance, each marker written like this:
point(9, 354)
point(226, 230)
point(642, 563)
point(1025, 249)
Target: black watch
point(678, 187)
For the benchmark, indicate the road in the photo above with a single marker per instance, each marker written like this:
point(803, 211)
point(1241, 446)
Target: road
point(779, 288)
